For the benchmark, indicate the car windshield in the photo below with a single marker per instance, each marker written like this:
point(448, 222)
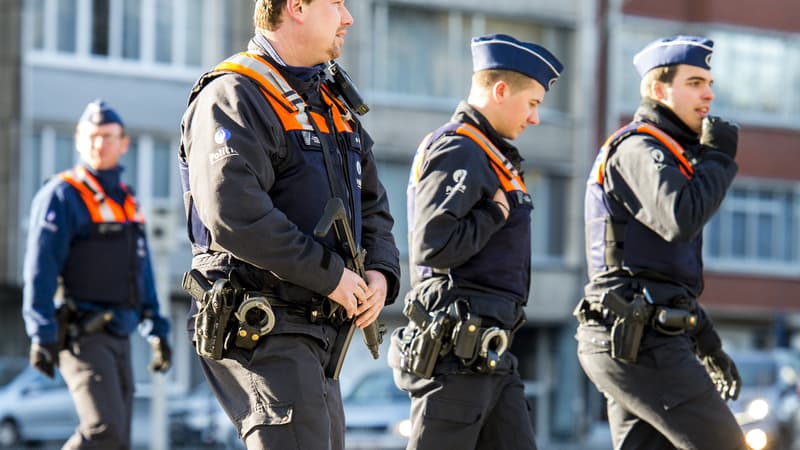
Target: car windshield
point(375, 387)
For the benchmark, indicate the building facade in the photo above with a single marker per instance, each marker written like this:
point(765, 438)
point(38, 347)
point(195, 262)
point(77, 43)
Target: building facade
point(411, 61)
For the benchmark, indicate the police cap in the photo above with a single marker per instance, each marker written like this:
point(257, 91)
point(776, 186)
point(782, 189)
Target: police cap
point(680, 49)
point(98, 112)
point(500, 51)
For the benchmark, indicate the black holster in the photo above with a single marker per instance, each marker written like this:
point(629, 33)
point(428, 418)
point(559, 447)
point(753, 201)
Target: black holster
point(215, 306)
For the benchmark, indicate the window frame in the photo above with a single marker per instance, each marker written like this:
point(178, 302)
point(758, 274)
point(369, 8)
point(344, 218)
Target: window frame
point(753, 208)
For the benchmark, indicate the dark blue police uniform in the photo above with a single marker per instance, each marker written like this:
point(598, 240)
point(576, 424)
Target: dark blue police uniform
point(87, 237)
point(653, 187)
point(470, 271)
point(256, 184)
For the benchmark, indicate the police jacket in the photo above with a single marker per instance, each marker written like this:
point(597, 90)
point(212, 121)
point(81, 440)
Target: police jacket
point(256, 182)
point(86, 232)
point(646, 212)
point(456, 229)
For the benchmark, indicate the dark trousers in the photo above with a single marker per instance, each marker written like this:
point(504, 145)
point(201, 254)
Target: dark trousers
point(100, 380)
point(277, 395)
point(468, 411)
point(665, 400)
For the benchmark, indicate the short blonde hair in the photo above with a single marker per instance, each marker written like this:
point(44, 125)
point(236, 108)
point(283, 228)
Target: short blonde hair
point(485, 79)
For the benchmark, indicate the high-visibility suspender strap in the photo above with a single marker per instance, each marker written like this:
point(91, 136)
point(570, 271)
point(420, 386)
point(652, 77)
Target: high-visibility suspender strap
point(508, 175)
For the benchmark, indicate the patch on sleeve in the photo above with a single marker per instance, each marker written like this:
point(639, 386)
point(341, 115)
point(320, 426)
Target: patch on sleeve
point(658, 158)
point(458, 177)
point(49, 222)
point(221, 137)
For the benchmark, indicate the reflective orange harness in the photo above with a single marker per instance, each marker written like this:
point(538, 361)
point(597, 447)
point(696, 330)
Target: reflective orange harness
point(287, 104)
point(102, 208)
point(641, 128)
point(509, 177)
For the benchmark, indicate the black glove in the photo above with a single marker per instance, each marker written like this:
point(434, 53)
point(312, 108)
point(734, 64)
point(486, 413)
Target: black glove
point(724, 374)
point(162, 355)
point(44, 358)
point(720, 135)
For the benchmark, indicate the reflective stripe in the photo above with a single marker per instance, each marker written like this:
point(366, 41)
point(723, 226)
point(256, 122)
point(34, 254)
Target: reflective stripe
point(101, 207)
point(287, 103)
point(643, 128)
point(508, 175)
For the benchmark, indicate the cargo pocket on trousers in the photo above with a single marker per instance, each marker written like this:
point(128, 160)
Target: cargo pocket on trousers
point(270, 414)
point(452, 411)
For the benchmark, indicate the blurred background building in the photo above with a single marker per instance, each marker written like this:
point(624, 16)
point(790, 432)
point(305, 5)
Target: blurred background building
point(411, 61)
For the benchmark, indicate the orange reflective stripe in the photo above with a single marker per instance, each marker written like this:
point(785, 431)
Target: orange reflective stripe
point(509, 177)
point(101, 207)
point(87, 196)
point(272, 91)
point(322, 124)
point(287, 103)
point(672, 145)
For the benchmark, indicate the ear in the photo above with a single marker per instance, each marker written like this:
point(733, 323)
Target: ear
point(295, 9)
point(658, 90)
point(499, 91)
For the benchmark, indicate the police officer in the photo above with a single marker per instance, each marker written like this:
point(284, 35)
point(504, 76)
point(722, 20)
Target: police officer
point(655, 184)
point(87, 241)
point(470, 250)
point(266, 145)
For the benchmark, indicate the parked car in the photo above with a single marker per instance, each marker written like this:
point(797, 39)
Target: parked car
point(767, 408)
point(376, 413)
point(10, 367)
point(198, 420)
point(35, 408)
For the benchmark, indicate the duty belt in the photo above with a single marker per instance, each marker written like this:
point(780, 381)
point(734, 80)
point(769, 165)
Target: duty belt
point(227, 312)
point(435, 334)
point(627, 320)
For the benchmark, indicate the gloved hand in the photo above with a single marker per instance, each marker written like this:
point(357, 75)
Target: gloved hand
point(724, 374)
point(720, 135)
point(44, 358)
point(162, 355)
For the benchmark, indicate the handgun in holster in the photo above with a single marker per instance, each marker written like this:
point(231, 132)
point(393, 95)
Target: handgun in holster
point(628, 328)
point(215, 306)
point(73, 324)
point(427, 340)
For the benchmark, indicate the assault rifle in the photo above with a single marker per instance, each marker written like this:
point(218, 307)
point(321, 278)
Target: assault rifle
point(335, 217)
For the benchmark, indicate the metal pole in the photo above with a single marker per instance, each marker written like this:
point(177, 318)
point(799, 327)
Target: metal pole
point(160, 250)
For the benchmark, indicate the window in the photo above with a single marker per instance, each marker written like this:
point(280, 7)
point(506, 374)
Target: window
point(163, 32)
point(394, 177)
point(66, 26)
point(548, 219)
point(756, 76)
point(164, 27)
point(747, 60)
point(755, 230)
point(131, 26)
point(100, 27)
point(424, 53)
point(164, 163)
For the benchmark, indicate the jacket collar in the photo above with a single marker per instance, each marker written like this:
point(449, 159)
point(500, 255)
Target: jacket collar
point(467, 114)
point(655, 113)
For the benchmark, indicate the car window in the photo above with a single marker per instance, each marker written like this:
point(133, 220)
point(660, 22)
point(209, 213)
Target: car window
point(378, 386)
point(757, 373)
